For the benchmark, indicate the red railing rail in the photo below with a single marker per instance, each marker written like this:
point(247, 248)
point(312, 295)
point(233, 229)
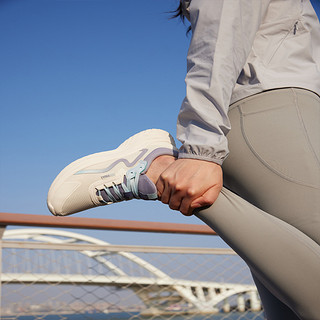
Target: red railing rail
point(18, 219)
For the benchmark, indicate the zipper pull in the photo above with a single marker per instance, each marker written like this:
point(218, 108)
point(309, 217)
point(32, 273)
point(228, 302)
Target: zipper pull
point(295, 27)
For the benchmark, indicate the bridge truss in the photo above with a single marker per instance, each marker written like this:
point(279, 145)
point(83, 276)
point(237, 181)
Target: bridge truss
point(119, 268)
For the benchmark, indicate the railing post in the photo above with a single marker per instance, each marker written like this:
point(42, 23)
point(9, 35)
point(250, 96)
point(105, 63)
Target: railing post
point(2, 230)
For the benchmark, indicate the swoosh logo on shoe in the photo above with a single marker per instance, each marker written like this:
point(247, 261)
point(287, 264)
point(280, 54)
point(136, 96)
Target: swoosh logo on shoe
point(125, 161)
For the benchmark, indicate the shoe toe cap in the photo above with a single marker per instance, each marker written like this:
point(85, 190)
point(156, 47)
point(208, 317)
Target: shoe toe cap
point(61, 199)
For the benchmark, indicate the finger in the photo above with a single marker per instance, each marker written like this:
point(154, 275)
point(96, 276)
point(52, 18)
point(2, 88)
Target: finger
point(190, 196)
point(175, 200)
point(164, 189)
point(207, 199)
point(187, 212)
point(160, 188)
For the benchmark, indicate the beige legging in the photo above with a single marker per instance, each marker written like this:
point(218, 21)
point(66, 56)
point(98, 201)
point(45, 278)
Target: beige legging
point(269, 208)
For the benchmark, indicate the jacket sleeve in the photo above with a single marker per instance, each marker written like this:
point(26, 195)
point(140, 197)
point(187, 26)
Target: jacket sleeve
point(223, 32)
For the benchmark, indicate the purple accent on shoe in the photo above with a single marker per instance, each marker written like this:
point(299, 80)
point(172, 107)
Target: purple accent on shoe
point(159, 152)
point(103, 195)
point(125, 161)
point(128, 195)
point(146, 186)
point(147, 190)
point(143, 196)
point(113, 193)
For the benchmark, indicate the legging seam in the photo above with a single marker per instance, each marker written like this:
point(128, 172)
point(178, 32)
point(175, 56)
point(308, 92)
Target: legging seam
point(303, 126)
point(256, 154)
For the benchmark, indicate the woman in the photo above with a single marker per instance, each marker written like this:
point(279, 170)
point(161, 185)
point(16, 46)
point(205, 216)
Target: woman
point(263, 58)
point(254, 65)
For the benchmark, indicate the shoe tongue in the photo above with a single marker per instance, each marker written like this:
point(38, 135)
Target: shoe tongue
point(146, 186)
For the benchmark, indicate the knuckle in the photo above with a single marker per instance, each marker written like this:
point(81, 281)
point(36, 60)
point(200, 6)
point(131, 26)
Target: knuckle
point(191, 192)
point(178, 187)
point(167, 178)
point(164, 175)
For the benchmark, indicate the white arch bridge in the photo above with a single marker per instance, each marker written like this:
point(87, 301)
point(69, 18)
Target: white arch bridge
point(152, 285)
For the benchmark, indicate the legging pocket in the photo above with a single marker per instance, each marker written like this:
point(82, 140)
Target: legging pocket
point(278, 138)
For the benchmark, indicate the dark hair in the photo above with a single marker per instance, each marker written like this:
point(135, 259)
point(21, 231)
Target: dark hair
point(178, 13)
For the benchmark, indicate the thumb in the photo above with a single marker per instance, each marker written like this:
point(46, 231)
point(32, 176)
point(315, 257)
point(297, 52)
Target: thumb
point(207, 199)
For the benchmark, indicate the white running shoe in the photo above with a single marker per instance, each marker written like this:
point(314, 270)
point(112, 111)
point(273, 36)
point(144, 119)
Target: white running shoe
point(110, 176)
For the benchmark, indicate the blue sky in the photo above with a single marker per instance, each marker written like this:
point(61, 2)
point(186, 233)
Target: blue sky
point(78, 77)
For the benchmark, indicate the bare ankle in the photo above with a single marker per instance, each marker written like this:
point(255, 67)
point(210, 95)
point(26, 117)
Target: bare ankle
point(158, 165)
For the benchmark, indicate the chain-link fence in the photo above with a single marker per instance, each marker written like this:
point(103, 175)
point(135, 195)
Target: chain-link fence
point(52, 274)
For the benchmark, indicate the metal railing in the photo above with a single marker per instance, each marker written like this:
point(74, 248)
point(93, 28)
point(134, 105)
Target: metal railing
point(49, 273)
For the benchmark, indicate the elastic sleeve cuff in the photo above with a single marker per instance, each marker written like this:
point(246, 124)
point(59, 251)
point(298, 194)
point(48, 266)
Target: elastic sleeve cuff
point(206, 153)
